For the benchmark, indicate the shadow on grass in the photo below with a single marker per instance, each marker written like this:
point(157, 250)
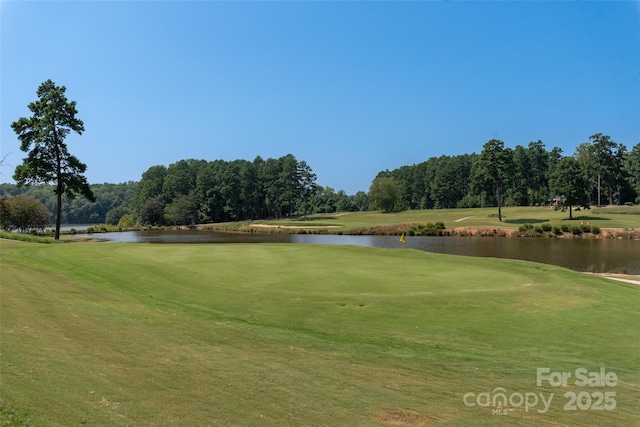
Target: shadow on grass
point(587, 218)
point(315, 218)
point(526, 221)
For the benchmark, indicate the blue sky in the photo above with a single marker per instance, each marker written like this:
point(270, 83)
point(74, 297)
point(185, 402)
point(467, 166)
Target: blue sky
point(350, 87)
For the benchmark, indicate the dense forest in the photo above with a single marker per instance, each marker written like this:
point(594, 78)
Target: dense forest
point(609, 173)
point(199, 191)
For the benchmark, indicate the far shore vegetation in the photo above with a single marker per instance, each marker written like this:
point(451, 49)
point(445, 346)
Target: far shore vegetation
point(193, 192)
point(607, 222)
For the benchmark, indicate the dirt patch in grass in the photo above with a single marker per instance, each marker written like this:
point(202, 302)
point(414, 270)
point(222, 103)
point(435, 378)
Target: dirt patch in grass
point(401, 417)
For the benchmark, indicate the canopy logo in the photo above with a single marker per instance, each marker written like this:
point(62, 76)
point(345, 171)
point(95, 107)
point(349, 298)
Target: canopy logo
point(501, 402)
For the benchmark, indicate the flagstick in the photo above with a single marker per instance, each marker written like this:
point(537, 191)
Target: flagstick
point(403, 241)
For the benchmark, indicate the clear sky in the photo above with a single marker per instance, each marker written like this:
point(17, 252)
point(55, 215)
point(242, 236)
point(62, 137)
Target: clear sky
point(352, 88)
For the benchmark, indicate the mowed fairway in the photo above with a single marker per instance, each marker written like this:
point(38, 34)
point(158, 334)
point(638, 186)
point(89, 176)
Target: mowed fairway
point(513, 217)
point(274, 335)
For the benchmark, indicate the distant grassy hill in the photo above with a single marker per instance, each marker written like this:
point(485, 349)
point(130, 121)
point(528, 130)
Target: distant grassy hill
point(616, 217)
point(277, 335)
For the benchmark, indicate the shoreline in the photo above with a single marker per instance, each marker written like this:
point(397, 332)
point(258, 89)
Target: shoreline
point(407, 229)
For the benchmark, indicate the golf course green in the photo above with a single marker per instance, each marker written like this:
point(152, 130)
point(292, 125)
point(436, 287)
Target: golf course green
point(292, 335)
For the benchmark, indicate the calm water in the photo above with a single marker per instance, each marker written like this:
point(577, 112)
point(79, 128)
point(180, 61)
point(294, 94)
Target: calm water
point(577, 254)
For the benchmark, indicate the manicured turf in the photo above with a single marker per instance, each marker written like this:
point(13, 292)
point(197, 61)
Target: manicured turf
point(273, 335)
point(513, 217)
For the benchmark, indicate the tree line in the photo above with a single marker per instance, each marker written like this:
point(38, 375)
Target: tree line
point(198, 191)
point(600, 172)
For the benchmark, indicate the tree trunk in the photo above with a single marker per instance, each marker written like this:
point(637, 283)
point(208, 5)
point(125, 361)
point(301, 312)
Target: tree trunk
point(58, 209)
point(599, 186)
point(570, 214)
point(499, 203)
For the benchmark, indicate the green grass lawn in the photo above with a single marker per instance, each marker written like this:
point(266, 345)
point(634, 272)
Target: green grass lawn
point(274, 335)
point(513, 217)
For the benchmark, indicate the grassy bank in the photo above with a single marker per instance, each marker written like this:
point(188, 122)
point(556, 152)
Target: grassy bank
point(273, 335)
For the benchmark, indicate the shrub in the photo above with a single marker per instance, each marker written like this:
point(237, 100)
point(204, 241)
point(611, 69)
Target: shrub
point(595, 229)
point(565, 228)
point(24, 212)
point(126, 221)
point(437, 229)
point(546, 227)
point(575, 230)
point(538, 229)
point(557, 230)
point(585, 228)
point(525, 227)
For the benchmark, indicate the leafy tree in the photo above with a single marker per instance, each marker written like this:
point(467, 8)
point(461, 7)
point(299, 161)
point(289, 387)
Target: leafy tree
point(126, 221)
point(25, 212)
point(385, 193)
point(569, 185)
point(180, 178)
point(5, 214)
point(208, 192)
point(114, 215)
point(289, 182)
point(538, 176)
point(183, 210)
point(344, 203)
point(492, 170)
point(598, 160)
point(632, 168)
point(49, 161)
point(519, 179)
point(361, 201)
point(152, 212)
point(307, 188)
point(150, 186)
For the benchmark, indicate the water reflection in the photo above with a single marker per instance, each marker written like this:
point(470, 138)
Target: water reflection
point(577, 254)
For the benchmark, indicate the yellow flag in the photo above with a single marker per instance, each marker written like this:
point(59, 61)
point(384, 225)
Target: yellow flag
point(402, 239)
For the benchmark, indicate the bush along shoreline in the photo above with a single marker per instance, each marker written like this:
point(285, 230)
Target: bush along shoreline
point(581, 231)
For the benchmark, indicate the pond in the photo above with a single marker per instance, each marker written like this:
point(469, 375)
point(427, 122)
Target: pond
point(577, 254)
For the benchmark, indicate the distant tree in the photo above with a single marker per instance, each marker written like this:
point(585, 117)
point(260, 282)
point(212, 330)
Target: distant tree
point(491, 170)
point(632, 167)
point(5, 214)
point(598, 160)
point(569, 185)
point(152, 212)
point(361, 201)
point(385, 193)
point(307, 188)
point(326, 200)
point(150, 186)
point(183, 210)
point(49, 161)
point(113, 216)
point(180, 178)
point(538, 177)
point(25, 212)
point(126, 221)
